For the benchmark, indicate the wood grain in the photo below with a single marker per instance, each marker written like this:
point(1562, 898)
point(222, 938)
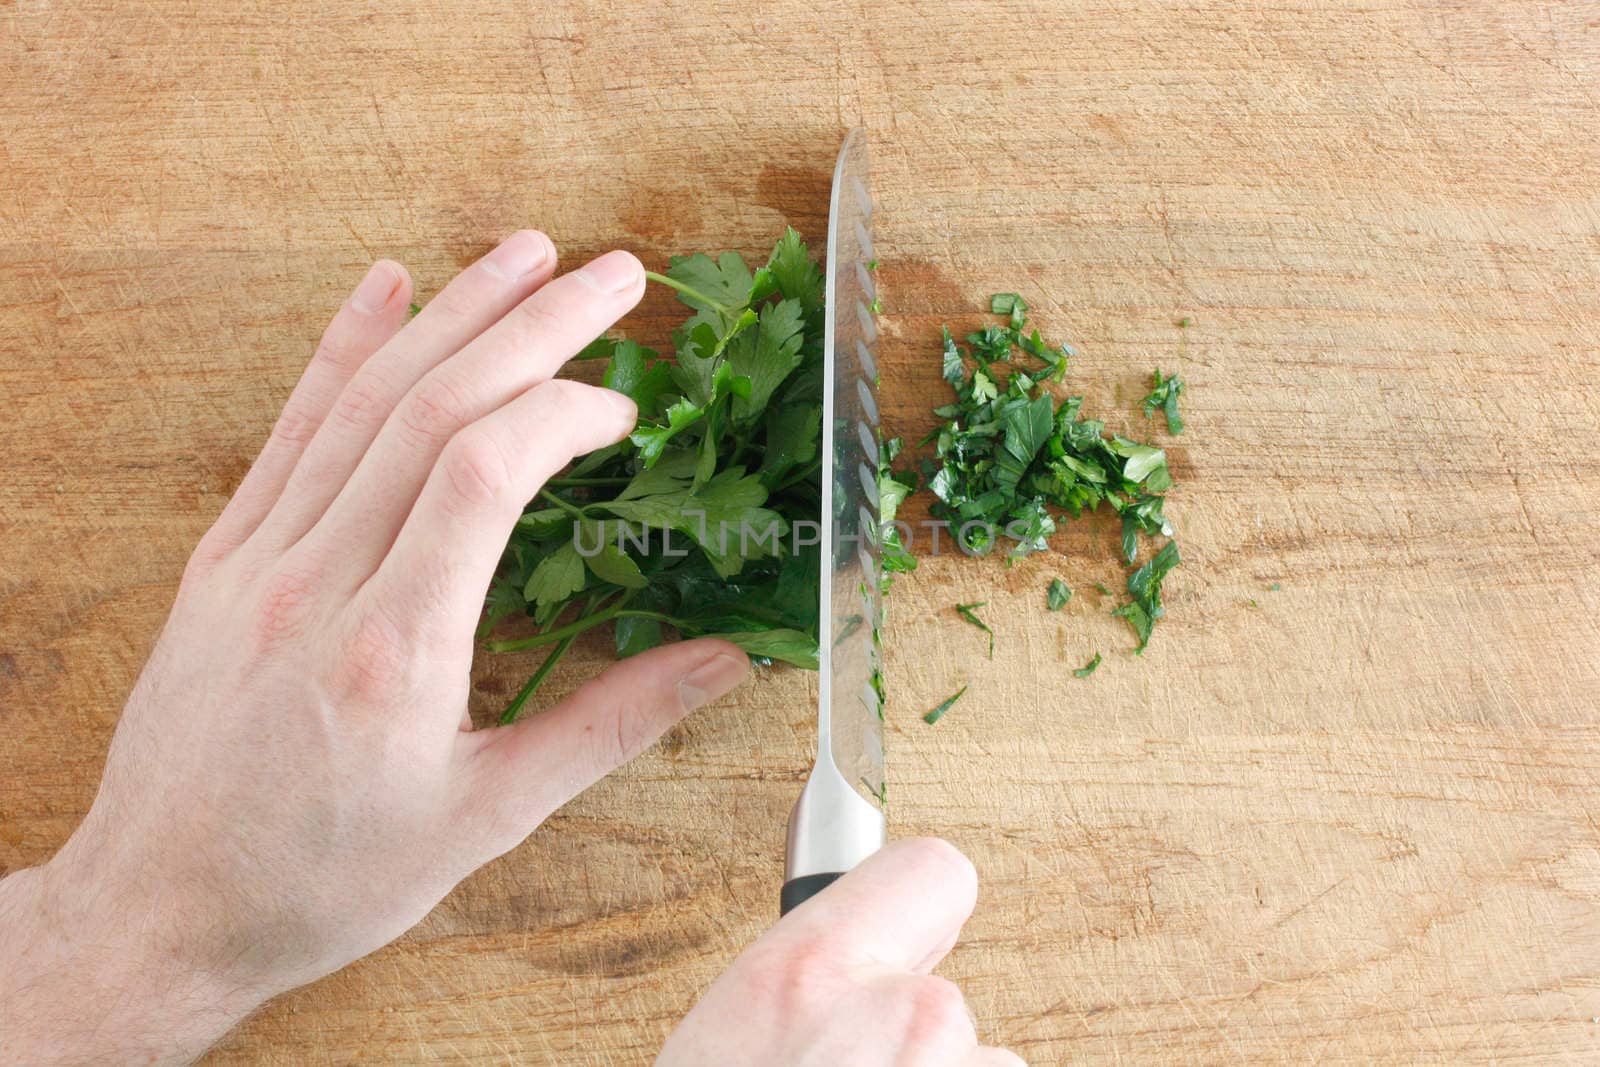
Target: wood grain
point(1352, 819)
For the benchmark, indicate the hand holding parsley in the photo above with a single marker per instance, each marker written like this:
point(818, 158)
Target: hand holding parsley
point(685, 526)
point(298, 737)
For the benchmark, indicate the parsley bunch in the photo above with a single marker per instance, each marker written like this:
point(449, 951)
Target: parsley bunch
point(1007, 454)
point(686, 526)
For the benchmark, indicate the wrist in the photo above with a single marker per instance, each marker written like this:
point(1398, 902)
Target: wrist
point(94, 976)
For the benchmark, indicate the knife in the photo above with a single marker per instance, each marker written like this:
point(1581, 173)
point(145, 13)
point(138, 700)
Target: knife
point(838, 820)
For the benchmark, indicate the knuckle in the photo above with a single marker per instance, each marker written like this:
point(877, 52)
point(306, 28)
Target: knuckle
point(570, 416)
point(336, 351)
point(207, 556)
point(374, 660)
point(361, 405)
point(283, 607)
point(435, 410)
point(632, 724)
point(935, 1008)
point(562, 395)
point(295, 427)
point(610, 739)
point(535, 316)
point(463, 298)
point(477, 468)
point(793, 980)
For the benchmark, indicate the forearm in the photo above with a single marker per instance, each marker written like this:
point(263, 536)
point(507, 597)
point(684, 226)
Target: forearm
point(84, 980)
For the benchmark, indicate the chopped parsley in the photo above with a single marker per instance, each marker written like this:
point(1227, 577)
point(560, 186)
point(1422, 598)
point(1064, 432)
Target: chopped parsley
point(945, 705)
point(970, 613)
point(1144, 586)
point(1011, 460)
point(1164, 394)
point(1057, 595)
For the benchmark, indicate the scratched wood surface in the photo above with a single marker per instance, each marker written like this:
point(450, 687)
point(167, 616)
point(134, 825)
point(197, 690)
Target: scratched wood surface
point(1346, 808)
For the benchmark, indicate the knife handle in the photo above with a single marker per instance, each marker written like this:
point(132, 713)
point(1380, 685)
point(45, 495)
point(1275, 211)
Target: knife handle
point(796, 891)
point(831, 829)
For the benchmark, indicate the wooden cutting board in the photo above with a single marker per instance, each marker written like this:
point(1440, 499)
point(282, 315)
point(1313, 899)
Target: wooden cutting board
point(1345, 808)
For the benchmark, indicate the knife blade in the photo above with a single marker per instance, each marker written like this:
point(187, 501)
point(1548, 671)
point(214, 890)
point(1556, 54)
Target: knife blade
point(838, 820)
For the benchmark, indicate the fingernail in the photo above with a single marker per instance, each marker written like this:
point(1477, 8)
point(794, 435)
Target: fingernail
point(711, 679)
point(375, 289)
point(614, 272)
point(519, 254)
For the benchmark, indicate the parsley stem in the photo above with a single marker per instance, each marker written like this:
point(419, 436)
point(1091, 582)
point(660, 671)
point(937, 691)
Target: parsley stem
point(513, 709)
point(574, 483)
point(576, 627)
point(688, 290)
point(805, 473)
point(571, 509)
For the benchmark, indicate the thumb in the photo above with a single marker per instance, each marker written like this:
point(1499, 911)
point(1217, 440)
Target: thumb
point(531, 768)
point(903, 907)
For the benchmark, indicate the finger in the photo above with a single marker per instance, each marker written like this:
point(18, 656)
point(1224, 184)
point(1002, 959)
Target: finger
point(369, 317)
point(473, 301)
point(522, 350)
point(447, 551)
point(515, 776)
point(902, 908)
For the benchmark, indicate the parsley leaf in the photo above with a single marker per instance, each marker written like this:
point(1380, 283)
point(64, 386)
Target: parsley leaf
point(1088, 668)
point(789, 646)
point(712, 284)
point(1058, 594)
point(795, 273)
point(766, 355)
point(637, 372)
point(557, 577)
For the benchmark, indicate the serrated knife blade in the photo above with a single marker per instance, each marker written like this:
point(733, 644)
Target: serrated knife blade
point(838, 820)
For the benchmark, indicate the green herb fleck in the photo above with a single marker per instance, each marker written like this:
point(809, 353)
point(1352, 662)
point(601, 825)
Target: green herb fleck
point(1164, 394)
point(1088, 668)
point(969, 612)
point(1058, 595)
point(1144, 585)
point(938, 713)
point(415, 307)
point(1101, 588)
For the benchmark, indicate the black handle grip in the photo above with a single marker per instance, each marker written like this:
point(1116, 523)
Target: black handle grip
point(797, 891)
